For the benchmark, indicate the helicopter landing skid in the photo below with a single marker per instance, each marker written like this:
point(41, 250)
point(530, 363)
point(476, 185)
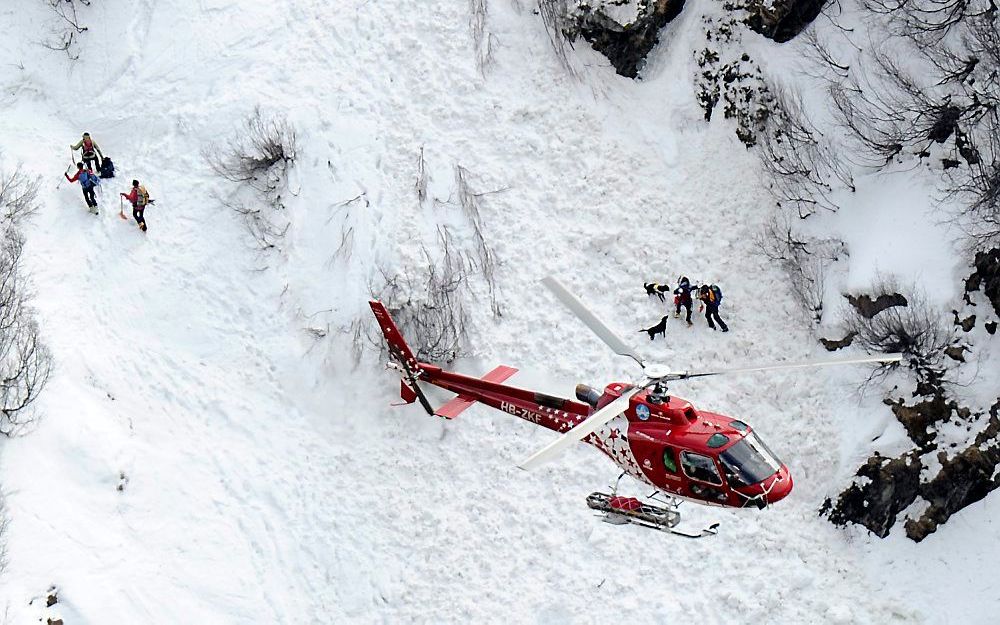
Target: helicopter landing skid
point(619, 510)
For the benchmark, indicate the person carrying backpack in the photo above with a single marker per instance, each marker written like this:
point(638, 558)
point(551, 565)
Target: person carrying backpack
point(138, 197)
point(711, 298)
point(88, 182)
point(91, 153)
point(682, 298)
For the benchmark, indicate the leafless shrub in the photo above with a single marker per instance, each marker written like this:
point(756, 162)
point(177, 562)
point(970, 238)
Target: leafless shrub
point(820, 58)
point(805, 260)
point(555, 16)
point(421, 184)
point(930, 20)
point(25, 361)
point(258, 155)
point(3, 532)
point(426, 303)
point(916, 330)
point(802, 166)
point(259, 222)
point(485, 260)
point(70, 27)
point(18, 196)
point(482, 40)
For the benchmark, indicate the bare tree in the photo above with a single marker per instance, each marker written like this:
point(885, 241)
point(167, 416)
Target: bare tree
point(930, 20)
point(25, 362)
point(69, 28)
point(802, 165)
point(915, 330)
point(482, 40)
point(555, 16)
point(426, 303)
point(485, 260)
point(806, 260)
point(18, 196)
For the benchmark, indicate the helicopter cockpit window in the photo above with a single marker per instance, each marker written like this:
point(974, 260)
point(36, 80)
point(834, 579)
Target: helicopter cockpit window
point(668, 460)
point(748, 462)
point(738, 425)
point(700, 467)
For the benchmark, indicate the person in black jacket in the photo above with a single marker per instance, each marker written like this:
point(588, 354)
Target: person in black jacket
point(682, 297)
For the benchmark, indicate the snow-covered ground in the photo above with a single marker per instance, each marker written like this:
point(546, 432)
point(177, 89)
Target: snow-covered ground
point(266, 479)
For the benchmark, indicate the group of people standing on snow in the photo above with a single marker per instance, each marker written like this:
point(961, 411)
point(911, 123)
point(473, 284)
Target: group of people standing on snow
point(91, 159)
point(709, 296)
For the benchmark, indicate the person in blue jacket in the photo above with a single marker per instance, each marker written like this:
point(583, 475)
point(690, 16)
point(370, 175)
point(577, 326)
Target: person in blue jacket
point(88, 182)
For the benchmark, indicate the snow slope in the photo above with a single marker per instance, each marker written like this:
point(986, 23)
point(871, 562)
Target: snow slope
point(267, 480)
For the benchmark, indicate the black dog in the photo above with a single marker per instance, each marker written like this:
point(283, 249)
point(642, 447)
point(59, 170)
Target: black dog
point(660, 328)
point(658, 290)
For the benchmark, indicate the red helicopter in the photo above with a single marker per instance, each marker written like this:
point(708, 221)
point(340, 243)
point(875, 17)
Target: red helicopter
point(660, 440)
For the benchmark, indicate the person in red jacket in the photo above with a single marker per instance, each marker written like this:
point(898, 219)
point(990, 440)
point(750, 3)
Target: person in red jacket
point(88, 182)
point(139, 199)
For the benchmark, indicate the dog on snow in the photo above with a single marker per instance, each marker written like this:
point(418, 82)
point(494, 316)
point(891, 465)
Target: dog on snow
point(658, 290)
point(660, 328)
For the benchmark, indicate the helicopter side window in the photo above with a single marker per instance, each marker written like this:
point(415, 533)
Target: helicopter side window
point(668, 460)
point(698, 467)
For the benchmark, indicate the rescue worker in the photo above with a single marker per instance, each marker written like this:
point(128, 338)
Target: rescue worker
point(88, 182)
point(91, 152)
point(139, 199)
point(711, 298)
point(682, 298)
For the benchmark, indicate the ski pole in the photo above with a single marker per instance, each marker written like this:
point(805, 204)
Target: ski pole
point(65, 173)
point(121, 208)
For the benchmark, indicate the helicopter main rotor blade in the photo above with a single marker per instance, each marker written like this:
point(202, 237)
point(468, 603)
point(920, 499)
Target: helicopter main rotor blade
point(591, 320)
point(581, 430)
point(684, 375)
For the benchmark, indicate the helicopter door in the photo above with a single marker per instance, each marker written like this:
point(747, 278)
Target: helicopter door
point(704, 479)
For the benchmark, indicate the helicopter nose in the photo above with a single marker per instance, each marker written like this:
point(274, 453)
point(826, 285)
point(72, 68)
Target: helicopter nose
point(782, 485)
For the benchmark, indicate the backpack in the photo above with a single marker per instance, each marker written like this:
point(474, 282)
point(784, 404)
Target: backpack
point(88, 145)
point(715, 294)
point(107, 168)
point(141, 197)
point(88, 180)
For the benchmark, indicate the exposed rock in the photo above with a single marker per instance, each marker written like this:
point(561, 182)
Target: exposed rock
point(738, 82)
point(891, 486)
point(956, 352)
point(966, 324)
point(991, 327)
point(832, 345)
point(986, 277)
point(918, 417)
point(781, 20)
point(868, 308)
point(51, 599)
point(627, 43)
point(963, 480)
